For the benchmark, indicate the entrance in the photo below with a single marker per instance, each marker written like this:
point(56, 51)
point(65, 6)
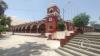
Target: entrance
point(41, 28)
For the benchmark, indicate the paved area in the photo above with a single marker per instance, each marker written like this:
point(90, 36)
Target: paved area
point(15, 45)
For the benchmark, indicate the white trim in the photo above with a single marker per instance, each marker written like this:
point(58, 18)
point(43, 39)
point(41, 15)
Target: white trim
point(50, 19)
point(54, 13)
point(51, 9)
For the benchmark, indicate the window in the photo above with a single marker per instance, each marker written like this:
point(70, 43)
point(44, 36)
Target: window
point(51, 10)
point(50, 19)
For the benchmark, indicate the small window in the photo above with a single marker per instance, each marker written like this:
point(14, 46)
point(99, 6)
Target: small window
point(51, 10)
point(50, 19)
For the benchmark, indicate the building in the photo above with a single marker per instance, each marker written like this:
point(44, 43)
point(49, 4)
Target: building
point(48, 24)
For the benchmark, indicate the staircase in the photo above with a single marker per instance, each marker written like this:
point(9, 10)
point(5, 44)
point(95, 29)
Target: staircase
point(81, 45)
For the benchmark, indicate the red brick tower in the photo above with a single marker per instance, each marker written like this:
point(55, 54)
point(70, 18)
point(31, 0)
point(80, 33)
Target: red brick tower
point(53, 15)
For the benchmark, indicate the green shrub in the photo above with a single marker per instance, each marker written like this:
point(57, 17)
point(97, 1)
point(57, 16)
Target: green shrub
point(2, 28)
point(61, 26)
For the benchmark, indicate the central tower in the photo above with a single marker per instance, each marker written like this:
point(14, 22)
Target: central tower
point(53, 15)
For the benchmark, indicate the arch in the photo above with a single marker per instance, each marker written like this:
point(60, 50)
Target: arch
point(34, 28)
point(23, 28)
point(41, 28)
point(12, 29)
point(19, 28)
point(16, 29)
point(27, 28)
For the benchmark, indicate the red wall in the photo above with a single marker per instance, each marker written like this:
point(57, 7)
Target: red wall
point(52, 23)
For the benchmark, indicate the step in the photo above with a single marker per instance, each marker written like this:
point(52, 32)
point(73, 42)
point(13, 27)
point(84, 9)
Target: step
point(95, 50)
point(76, 48)
point(75, 42)
point(75, 53)
point(91, 45)
point(61, 52)
point(94, 42)
point(91, 39)
point(87, 37)
point(87, 44)
point(91, 35)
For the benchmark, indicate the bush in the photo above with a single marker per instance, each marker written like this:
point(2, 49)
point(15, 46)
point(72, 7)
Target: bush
point(81, 20)
point(60, 26)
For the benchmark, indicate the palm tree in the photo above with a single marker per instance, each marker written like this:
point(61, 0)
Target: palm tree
point(3, 7)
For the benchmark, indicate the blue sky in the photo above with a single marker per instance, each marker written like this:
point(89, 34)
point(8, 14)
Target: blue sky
point(36, 9)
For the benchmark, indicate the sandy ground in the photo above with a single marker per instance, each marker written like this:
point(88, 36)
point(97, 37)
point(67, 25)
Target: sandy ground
point(15, 45)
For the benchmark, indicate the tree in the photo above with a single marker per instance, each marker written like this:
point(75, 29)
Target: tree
point(2, 24)
point(8, 21)
point(4, 21)
point(61, 25)
point(80, 21)
point(3, 7)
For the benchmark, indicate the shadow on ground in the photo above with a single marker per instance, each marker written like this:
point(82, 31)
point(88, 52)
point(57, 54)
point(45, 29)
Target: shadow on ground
point(3, 37)
point(27, 49)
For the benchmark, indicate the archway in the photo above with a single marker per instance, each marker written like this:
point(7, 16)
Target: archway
point(23, 29)
point(41, 28)
point(15, 29)
point(19, 30)
point(34, 29)
point(28, 28)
